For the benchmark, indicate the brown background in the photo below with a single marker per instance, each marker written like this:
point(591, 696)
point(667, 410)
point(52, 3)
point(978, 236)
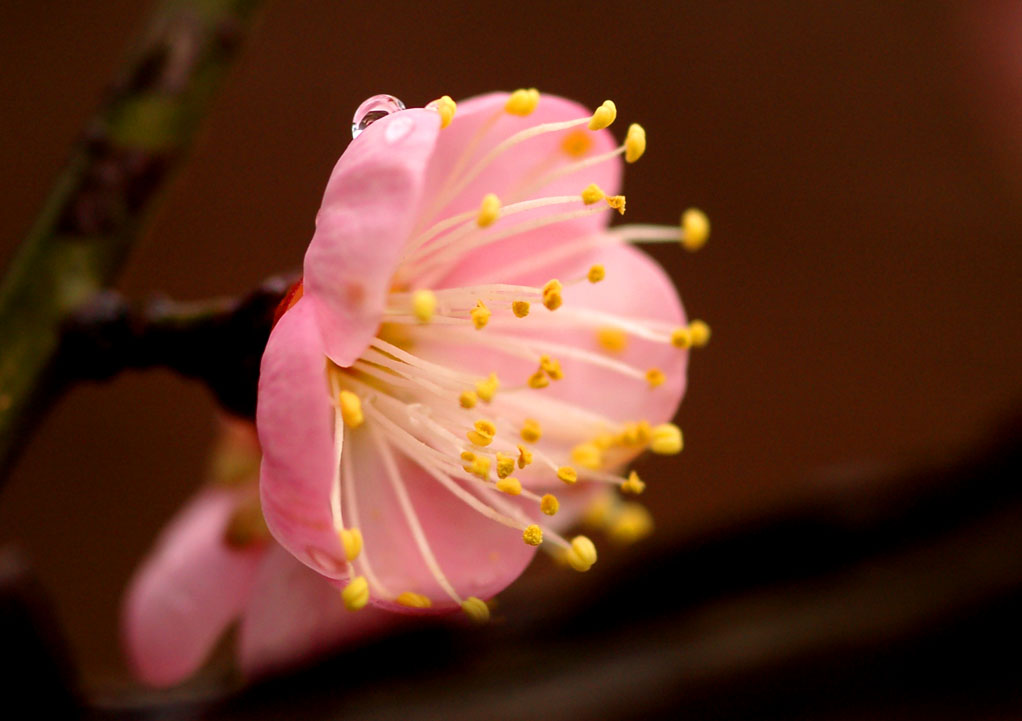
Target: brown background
point(860, 163)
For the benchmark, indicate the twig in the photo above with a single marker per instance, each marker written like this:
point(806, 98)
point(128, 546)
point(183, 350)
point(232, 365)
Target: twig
point(97, 208)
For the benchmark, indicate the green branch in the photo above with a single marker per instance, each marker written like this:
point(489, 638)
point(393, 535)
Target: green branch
point(98, 207)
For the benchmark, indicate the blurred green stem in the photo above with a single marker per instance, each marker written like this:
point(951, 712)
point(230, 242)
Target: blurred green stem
point(98, 207)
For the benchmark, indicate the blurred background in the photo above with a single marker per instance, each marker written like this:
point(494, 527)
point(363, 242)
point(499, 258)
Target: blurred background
point(861, 163)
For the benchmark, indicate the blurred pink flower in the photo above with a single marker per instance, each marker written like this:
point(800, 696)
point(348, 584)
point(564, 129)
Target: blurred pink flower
point(215, 564)
point(474, 356)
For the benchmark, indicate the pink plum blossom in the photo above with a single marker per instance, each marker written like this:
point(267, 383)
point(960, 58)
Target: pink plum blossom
point(214, 565)
point(474, 356)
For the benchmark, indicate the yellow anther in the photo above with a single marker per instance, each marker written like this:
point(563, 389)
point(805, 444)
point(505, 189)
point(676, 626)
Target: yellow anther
point(604, 441)
point(617, 202)
point(695, 229)
point(522, 102)
point(655, 377)
point(533, 535)
point(634, 485)
point(576, 143)
point(538, 380)
point(604, 115)
point(510, 486)
point(567, 474)
point(476, 609)
point(524, 456)
point(480, 467)
point(520, 308)
point(486, 389)
point(531, 431)
point(596, 274)
point(482, 434)
point(413, 600)
point(700, 333)
point(636, 434)
point(552, 367)
point(592, 194)
point(681, 338)
point(600, 511)
point(549, 504)
point(587, 455)
point(505, 465)
point(632, 523)
point(351, 409)
point(468, 399)
point(351, 539)
point(635, 143)
point(423, 305)
point(468, 456)
point(614, 340)
point(480, 315)
point(666, 439)
point(582, 554)
point(552, 294)
point(489, 210)
point(446, 108)
point(356, 594)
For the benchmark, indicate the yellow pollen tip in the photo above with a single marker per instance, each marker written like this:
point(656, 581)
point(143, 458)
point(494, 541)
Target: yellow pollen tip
point(522, 102)
point(604, 116)
point(423, 305)
point(567, 474)
point(524, 456)
point(520, 308)
point(599, 512)
point(486, 389)
point(699, 332)
point(531, 431)
point(479, 466)
point(468, 399)
point(596, 274)
point(587, 455)
point(351, 409)
point(552, 294)
point(681, 338)
point(635, 143)
point(634, 485)
point(476, 609)
point(356, 594)
point(351, 539)
point(655, 377)
point(538, 380)
point(617, 202)
point(552, 367)
point(533, 535)
point(505, 465)
point(592, 194)
point(576, 143)
point(483, 433)
point(632, 523)
point(413, 600)
point(510, 486)
point(480, 315)
point(695, 229)
point(582, 554)
point(614, 340)
point(446, 107)
point(549, 504)
point(666, 439)
point(489, 210)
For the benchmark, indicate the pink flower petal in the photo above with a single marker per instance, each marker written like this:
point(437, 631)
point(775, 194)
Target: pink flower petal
point(509, 174)
point(295, 421)
point(189, 588)
point(478, 556)
point(363, 225)
point(294, 614)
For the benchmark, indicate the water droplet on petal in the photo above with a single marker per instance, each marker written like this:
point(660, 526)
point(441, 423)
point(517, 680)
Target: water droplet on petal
point(376, 107)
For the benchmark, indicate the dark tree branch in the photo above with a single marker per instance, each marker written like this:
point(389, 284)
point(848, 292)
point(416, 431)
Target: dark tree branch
point(219, 342)
point(97, 208)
